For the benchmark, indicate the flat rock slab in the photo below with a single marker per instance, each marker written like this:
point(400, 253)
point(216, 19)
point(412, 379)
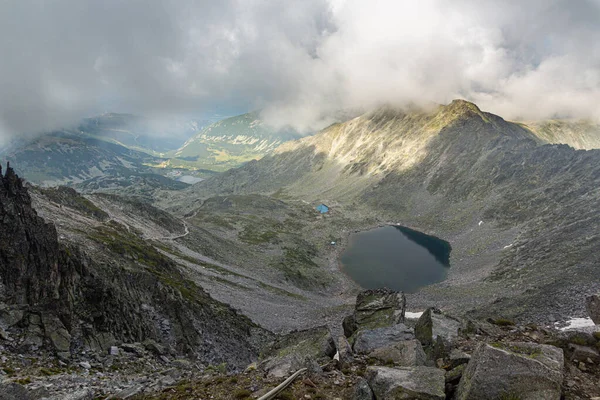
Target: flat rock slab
point(418, 383)
point(525, 371)
point(367, 341)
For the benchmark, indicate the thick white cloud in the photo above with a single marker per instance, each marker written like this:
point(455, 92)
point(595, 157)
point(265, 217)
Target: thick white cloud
point(299, 60)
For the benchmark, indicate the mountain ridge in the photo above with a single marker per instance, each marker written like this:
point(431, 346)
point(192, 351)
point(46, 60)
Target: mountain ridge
point(488, 186)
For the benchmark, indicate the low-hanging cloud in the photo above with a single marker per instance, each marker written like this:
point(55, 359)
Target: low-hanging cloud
point(300, 61)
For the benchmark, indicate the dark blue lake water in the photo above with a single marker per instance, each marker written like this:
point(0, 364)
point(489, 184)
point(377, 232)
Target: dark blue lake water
point(396, 257)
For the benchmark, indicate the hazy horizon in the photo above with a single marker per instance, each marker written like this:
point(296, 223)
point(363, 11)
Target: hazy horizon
point(298, 61)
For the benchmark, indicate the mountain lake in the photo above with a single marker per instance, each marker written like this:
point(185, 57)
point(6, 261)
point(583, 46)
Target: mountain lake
point(396, 257)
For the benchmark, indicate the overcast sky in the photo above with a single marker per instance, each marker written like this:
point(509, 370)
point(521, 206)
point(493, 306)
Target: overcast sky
point(298, 60)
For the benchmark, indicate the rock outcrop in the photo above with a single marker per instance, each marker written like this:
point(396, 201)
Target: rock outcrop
point(55, 295)
point(525, 371)
point(375, 309)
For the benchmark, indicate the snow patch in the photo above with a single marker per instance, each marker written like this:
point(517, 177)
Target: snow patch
point(576, 323)
point(413, 315)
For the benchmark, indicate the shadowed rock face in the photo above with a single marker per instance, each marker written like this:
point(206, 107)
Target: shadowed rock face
point(32, 266)
point(77, 303)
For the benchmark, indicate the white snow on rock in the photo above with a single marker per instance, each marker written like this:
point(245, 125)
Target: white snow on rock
point(577, 323)
point(413, 315)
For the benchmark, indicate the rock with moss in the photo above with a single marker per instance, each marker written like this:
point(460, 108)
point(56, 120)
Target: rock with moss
point(374, 309)
point(419, 383)
point(424, 328)
point(296, 350)
point(527, 371)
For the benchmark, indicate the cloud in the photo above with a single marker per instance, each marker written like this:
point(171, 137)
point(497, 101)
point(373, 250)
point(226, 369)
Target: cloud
point(300, 61)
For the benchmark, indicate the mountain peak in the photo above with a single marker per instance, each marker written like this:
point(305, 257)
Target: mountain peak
point(460, 107)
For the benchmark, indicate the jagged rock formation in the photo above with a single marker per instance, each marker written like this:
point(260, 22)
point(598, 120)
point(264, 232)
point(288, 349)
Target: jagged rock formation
point(57, 295)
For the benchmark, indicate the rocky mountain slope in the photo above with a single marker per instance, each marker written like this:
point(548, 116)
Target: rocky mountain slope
point(108, 152)
point(110, 288)
point(231, 142)
point(520, 215)
point(584, 135)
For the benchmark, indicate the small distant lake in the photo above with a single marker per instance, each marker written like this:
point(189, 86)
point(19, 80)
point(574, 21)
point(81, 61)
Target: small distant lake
point(190, 179)
point(396, 257)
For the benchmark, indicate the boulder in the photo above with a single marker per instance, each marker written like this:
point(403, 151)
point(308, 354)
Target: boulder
point(57, 333)
point(527, 371)
point(583, 353)
point(592, 304)
point(408, 353)
point(422, 383)
point(153, 347)
point(378, 308)
point(362, 390)
point(458, 357)
point(434, 324)
point(135, 348)
point(424, 328)
point(366, 341)
point(290, 352)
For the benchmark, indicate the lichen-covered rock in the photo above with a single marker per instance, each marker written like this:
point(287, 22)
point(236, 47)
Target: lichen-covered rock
point(419, 383)
point(424, 328)
point(296, 349)
point(458, 357)
point(379, 307)
point(433, 323)
point(368, 340)
point(526, 371)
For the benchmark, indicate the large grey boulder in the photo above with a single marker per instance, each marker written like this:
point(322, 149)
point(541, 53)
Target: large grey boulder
point(527, 371)
point(420, 383)
point(369, 340)
point(592, 304)
point(434, 324)
point(296, 350)
point(376, 308)
point(424, 328)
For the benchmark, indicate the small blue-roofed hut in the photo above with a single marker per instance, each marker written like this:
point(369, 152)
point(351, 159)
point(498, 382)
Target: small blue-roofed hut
point(322, 208)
